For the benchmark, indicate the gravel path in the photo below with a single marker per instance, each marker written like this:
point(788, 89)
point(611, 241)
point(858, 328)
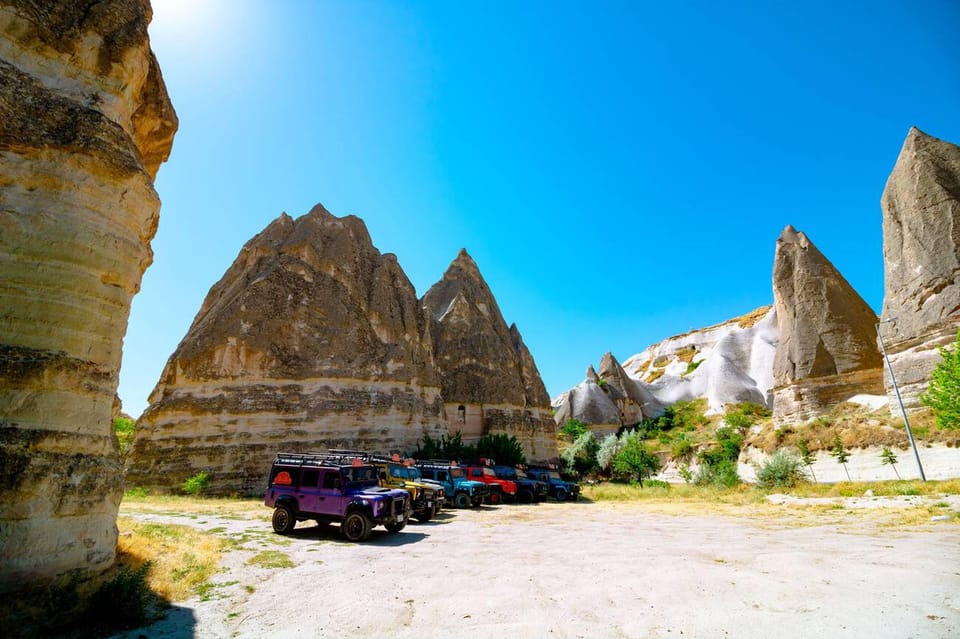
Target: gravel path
point(580, 570)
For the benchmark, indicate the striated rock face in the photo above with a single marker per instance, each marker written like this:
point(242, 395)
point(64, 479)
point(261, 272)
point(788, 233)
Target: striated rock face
point(921, 251)
point(85, 122)
point(312, 339)
point(827, 349)
point(489, 381)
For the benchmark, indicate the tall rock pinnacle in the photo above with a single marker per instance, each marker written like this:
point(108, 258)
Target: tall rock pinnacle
point(921, 251)
point(488, 378)
point(312, 339)
point(85, 122)
point(827, 349)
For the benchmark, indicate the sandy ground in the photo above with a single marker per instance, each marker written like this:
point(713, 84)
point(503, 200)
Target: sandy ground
point(583, 570)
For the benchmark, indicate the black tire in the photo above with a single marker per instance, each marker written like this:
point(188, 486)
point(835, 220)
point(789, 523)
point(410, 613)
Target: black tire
point(525, 496)
point(561, 494)
point(283, 520)
point(495, 498)
point(425, 515)
point(356, 526)
point(396, 527)
point(462, 500)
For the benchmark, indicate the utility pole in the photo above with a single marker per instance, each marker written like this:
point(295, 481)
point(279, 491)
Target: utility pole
point(896, 389)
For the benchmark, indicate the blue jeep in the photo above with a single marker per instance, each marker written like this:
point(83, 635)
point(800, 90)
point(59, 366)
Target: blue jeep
point(559, 489)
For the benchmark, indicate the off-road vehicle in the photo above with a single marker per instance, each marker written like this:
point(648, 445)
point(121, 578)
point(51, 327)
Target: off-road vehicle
point(393, 474)
point(558, 488)
point(500, 489)
point(528, 490)
point(461, 492)
point(416, 475)
point(329, 488)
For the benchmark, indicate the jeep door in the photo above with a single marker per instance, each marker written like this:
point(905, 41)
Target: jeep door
point(320, 491)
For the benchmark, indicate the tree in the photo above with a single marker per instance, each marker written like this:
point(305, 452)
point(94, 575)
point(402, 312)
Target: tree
point(889, 458)
point(943, 394)
point(581, 456)
point(502, 448)
point(840, 453)
point(636, 459)
point(607, 451)
point(445, 447)
point(573, 428)
point(803, 447)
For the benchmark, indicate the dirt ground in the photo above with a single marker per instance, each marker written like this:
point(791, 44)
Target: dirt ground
point(582, 570)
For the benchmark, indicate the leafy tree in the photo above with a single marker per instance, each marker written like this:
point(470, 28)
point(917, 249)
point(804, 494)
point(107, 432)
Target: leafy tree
point(718, 464)
point(502, 448)
point(573, 428)
point(943, 394)
point(123, 428)
point(445, 447)
point(840, 453)
point(889, 458)
point(803, 447)
point(636, 459)
point(607, 451)
point(581, 456)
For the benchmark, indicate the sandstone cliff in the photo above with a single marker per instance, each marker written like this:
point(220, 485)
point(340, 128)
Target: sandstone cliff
point(85, 122)
point(827, 351)
point(489, 381)
point(921, 250)
point(311, 339)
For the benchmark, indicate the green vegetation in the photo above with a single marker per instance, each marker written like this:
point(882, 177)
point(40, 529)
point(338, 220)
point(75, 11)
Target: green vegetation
point(573, 428)
point(502, 448)
point(718, 464)
point(943, 394)
point(889, 458)
point(840, 453)
point(123, 428)
point(196, 484)
point(606, 452)
point(782, 470)
point(271, 559)
point(581, 456)
point(636, 459)
point(445, 447)
point(806, 456)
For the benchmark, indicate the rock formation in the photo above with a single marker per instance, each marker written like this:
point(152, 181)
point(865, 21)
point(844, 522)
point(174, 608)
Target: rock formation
point(827, 351)
point(489, 381)
point(312, 339)
point(921, 251)
point(85, 122)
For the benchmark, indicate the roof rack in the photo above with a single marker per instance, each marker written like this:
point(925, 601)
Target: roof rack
point(318, 459)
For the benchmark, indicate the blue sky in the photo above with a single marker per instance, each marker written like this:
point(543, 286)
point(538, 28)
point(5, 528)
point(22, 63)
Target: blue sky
point(620, 171)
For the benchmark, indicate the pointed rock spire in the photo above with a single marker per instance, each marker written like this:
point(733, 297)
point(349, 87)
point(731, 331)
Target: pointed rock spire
point(826, 332)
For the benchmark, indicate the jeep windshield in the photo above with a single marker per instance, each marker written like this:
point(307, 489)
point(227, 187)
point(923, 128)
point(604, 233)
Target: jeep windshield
point(359, 476)
point(457, 473)
point(400, 472)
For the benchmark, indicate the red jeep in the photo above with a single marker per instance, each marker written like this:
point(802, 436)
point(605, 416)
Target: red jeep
point(499, 488)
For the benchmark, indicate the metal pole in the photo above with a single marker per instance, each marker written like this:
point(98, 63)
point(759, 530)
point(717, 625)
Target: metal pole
point(896, 389)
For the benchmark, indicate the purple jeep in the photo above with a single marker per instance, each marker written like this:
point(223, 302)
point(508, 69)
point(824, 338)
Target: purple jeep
point(331, 488)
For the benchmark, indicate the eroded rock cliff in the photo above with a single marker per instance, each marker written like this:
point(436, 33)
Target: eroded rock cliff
point(921, 251)
point(312, 339)
point(488, 378)
point(827, 349)
point(85, 122)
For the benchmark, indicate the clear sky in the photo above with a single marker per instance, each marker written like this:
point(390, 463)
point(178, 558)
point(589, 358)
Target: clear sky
point(620, 171)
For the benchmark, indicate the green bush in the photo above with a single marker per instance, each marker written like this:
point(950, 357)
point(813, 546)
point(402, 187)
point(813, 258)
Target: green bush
point(123, 602)
point(636, 459)
point(445, 447)
point(782, 470)
point(573, 428)
point(722, 474)
point(682, 449)
point(196, 484)
point(580, 457)
point(718, 464)
point(502, 448)
point(607, 451)
point(943, 394)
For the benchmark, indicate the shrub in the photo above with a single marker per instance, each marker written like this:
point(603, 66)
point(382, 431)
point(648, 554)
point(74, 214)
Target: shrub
point(782, 470)
point(123, 428)
point(504, 449)
point(722, 474)
point(718, 464)
point(573, 428)
point(196, 484)
point(581, 456)
point(803, 447)
point(445, 447)
point(682, 449)
point(123, 602)
point(840, 453)
point(943, 394)
point(606, 452)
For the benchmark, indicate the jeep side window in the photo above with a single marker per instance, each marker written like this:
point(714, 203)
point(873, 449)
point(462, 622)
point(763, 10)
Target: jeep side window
point(442, 475)
point(331, 480)
point(309, 478)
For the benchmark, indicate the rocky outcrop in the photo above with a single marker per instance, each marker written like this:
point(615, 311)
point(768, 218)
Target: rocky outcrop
point(489, 381)
point(312, 339)
point(85, 122)
point(921, 251)
point(827, 350)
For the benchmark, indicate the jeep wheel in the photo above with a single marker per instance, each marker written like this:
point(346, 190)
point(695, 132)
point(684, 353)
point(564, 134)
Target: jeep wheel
point(495, 499)
point(425, 515)
point(283, 520)
point(462, 500)
point(356, 526)
point(524, 496)
point(561, 494)
point(396, 527)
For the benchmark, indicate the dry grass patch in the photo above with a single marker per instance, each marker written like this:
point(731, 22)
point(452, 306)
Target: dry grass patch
point(754, 316)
